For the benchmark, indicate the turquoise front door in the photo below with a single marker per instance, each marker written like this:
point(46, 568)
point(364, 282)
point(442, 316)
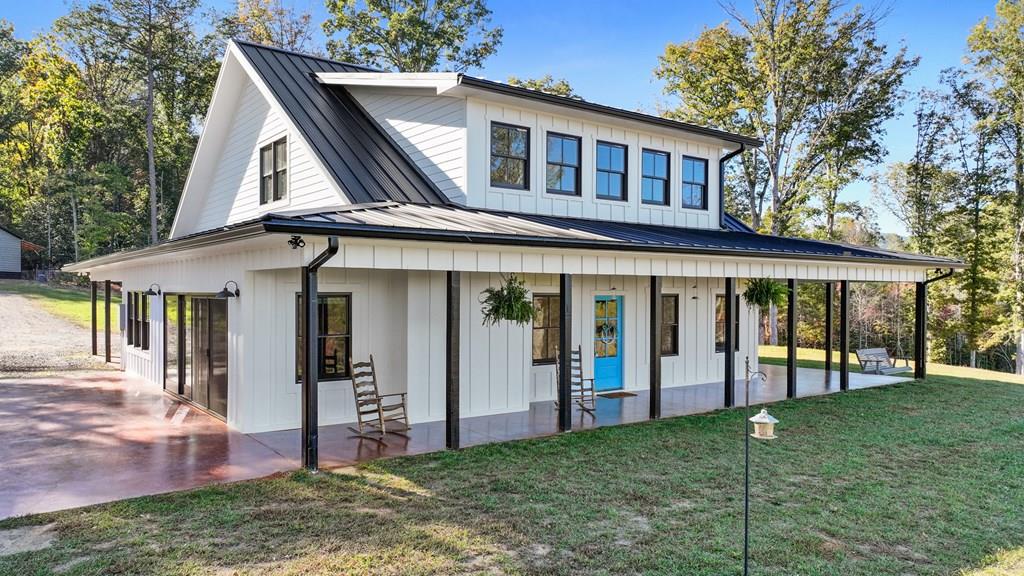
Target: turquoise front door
point(607, 343)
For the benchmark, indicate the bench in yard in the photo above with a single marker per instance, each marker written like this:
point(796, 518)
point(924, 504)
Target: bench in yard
point(878, 361)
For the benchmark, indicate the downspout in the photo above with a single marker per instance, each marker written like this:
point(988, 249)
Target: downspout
point(721, 182)
point(921, 324)
point(310, 356)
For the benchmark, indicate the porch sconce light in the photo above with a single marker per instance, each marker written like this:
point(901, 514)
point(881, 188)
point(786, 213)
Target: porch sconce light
point(151, 292)
point(296, 242)
point(225, 293)
point(764, 425)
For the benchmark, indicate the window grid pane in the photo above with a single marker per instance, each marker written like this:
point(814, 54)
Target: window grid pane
point(334, 340)
point(611, 171)
point(695, 183)
point(562, 164)
point(545, 328)
point(509, 156)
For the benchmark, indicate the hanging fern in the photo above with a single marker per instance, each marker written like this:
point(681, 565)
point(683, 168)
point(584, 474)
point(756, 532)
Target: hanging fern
point(763, 292)
point(510, 302)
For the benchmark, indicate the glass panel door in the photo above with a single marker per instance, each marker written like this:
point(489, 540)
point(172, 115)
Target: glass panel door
point(608, 342)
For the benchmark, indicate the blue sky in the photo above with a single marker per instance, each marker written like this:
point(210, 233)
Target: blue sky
point(607, 51)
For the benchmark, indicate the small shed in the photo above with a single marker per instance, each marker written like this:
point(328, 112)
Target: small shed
point(10, 254)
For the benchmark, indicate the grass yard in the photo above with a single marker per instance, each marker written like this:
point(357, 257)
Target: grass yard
point(814, 358)
point(922, 478)
point(68, 303)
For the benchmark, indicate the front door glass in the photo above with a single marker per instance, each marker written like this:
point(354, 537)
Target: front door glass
point(608, 342)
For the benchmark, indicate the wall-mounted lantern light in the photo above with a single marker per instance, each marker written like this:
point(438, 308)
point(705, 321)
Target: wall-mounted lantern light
point(151, 292)
point(226, 293)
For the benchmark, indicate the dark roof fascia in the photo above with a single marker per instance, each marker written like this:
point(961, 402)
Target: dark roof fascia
point(517, 91)
point(304, 55)
point(291, 226)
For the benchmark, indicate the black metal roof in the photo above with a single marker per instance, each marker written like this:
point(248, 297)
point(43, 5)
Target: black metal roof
point(364, 161)
point(470, 225)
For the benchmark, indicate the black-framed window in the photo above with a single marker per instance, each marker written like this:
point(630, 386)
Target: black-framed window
point(130, 322)
point(546, 328)
point(611, 171)
point(654, 182)
point(695, 183)
point(137, 305)
point(510, 156)
point(720, 323)
point(669, 324)
point(274, 171)
point(563, 164)
point(334, 335)
point(144, 320)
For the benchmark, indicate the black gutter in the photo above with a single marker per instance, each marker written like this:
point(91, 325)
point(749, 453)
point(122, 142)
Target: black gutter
point(518, 92)
point(721, 182)
point(310, 357)
point(942, 276)
point(390, 233)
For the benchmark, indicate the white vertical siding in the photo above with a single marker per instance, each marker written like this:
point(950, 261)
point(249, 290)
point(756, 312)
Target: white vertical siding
point(431, 130)
point(10, 252)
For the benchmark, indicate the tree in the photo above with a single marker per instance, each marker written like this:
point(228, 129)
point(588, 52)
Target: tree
point(812, 82)
point(268, 22)
point(546, 84)
point(996, 51)
point(412, 35)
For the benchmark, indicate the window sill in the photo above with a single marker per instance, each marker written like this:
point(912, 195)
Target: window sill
point(502, 188)
point(544, 362)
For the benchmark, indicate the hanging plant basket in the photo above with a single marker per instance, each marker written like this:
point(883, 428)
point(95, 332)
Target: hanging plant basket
point(509, 302)
point(763, 292)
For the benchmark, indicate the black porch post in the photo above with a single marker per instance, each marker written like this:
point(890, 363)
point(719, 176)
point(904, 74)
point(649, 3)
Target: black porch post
point(106, 320)
point(451, 360)
point(791, 341)
point(95, 336)
point(655, 359)
point(844, 334)
point(829, 292)
point(310, 369)
point(564, 353)
point(921, 331)
point(730, 342)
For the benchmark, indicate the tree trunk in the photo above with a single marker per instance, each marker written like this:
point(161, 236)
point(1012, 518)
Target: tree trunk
point(74, 223)
point(773, 325)
point(1018, 249)
point(974, 359)
point(151, 154)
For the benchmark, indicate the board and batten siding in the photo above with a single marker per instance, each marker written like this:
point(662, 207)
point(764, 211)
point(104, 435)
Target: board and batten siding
point(10, 253)
point(536, 199)
point(233, 190)
point(430, 129)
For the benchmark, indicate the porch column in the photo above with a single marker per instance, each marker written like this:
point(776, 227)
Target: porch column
point(655, 342)
point(451, 360)
point(564, 353)
point(310, 370)
point(730, 342)
point(829, 292)
point(791, 341)
point(92, 312)
point(106, 320)
point(844, 334)
point(920, 330)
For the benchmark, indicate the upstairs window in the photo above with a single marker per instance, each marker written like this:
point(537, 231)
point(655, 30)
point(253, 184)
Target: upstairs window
point(695, 183)
point(654, 181)
point(510, 156)
point(611, 171)
point(274, 171)
point(563, 172)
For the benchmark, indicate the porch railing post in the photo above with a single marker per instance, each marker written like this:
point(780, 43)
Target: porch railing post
point(791, 341)
point(921, 331)
point(655, 343)
point(730, 342)
point(106, 320)
point(844, 334)
point(92, 312)
point(451, 360)
point(829, 292)
point(565, 353)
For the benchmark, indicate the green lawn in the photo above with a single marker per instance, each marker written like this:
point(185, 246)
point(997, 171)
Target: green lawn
point(919, 478)
point(69, 303)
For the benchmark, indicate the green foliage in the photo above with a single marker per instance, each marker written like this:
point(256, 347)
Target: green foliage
point(509, 302)
point(547, 84)
point(268, 22)
point(412, 35)
point(763, 292)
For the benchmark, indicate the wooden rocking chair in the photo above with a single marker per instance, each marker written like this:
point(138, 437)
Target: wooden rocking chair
point(376, 414)
point(581, 390)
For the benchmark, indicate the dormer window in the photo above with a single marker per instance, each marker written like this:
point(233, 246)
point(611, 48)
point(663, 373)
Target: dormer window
point(274, 171)
point(611, 171)
point(695, 183)
point(510, 156)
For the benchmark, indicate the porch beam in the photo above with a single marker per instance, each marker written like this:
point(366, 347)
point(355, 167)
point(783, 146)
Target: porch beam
point(844, 334)
point(93, 288)
point(920, 330)
point(452, 346)
point(791, 341)
point(565, 353)
point(311, 357)
point(655, 343)
point(106, 320)
point(730, 342)
point(830, 289)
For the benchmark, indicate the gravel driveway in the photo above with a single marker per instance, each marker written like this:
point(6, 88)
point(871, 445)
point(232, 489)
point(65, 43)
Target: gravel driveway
point(32, 340)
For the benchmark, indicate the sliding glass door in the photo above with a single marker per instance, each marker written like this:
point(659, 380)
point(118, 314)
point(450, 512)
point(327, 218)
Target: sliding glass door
point(196, 350)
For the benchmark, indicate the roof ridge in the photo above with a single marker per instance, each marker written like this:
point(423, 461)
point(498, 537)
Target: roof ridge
point(305, 55)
